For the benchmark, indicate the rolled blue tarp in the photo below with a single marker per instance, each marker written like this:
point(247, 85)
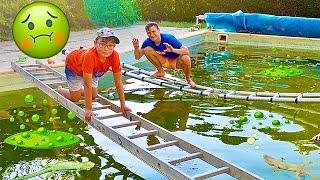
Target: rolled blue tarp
point(264, 24)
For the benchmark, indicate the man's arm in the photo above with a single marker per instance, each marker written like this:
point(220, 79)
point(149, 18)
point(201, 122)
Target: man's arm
point(138, 53)
point(182, 51)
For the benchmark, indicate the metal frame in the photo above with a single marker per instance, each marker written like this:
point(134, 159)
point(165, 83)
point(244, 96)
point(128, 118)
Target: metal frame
point(143, 75)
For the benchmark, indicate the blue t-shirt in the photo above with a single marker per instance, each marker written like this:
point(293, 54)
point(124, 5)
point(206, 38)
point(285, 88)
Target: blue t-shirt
point(165, 38)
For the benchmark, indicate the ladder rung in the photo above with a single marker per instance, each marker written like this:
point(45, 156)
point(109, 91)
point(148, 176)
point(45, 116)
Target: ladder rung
point(152, 132)
point(30, 65)
point(134, 71)
point(101, 107)
point(131, 123)
point(109, 116)
point(48, 78)
point(56, 82)
point(42, 73)
point(35, 69)
point(186, 158)
point(162, 145)
point(231, 93)
point(215, 172)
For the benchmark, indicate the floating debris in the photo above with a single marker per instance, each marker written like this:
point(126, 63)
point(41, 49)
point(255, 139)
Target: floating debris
point(71, 115)
point(281, 164)
point(60, 166)
point(45, 102)
point(316, 137)
point(22, 126)
point(251, 140)
point(42, 139)
point(35, 118)
point(276, 122)
point(54, 111)
point(282, 71)
point(28, 98)
point(20, 113)
point(258, 115)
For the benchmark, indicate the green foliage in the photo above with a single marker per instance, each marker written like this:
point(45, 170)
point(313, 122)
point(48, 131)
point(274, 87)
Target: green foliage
point(74, 10)
point(186, 10)
point(112, 13)
point(178, 24)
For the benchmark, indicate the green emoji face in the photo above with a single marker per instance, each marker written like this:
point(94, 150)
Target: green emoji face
point(40, 30)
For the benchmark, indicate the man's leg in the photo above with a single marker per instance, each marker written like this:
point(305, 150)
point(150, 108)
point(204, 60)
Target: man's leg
point(156, 59)
point(184, 63)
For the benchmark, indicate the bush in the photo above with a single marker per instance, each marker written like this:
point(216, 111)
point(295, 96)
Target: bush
point(186, 10)
point(112, 13)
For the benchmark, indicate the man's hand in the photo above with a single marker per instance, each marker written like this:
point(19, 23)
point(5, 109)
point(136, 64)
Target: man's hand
point(169, 48)
point(135, 43)
point(88, 115)
point(161, 53)
point(125, 109)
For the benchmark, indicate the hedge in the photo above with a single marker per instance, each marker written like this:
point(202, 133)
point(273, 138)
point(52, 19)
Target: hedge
point(186, 10)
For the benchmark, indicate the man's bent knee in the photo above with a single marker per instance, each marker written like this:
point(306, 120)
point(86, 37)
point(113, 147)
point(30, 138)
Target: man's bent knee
point(183, 61)
point(185, 58)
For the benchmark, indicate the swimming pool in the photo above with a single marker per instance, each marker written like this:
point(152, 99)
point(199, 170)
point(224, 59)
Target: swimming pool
point(212, 123)
point(208, 123)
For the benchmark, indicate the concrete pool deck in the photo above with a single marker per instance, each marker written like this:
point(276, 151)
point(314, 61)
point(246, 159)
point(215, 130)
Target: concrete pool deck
point(10, 52)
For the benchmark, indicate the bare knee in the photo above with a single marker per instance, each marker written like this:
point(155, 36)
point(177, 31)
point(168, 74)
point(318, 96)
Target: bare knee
point(185, 59)
point(184, 62)
point(75, 96)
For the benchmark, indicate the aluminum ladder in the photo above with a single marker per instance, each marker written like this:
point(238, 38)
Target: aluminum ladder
point(175, 83)
point(46, 78)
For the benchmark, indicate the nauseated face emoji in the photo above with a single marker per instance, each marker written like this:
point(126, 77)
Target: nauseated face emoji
point(40, 30)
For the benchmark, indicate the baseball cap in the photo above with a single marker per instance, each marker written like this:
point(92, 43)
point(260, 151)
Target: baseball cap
point(108, 33)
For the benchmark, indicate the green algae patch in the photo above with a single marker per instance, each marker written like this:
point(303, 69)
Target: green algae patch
point(282, 71)
point(42, 139)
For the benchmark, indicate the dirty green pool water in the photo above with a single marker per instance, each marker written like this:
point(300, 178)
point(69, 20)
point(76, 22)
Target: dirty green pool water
point(208, 123)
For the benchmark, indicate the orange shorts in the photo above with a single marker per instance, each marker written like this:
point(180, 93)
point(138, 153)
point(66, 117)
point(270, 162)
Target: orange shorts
point(170, 63)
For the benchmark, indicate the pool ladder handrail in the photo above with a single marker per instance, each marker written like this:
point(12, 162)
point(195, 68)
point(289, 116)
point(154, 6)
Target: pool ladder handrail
point(167, 168)
point(178, 84)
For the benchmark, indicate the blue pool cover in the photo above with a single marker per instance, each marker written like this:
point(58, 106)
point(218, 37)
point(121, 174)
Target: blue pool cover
point(264, 24)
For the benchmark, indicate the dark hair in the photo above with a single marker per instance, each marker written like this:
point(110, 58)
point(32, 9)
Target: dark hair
point(150, 24)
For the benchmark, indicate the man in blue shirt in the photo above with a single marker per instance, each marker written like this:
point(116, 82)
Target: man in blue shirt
point(164, 51)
